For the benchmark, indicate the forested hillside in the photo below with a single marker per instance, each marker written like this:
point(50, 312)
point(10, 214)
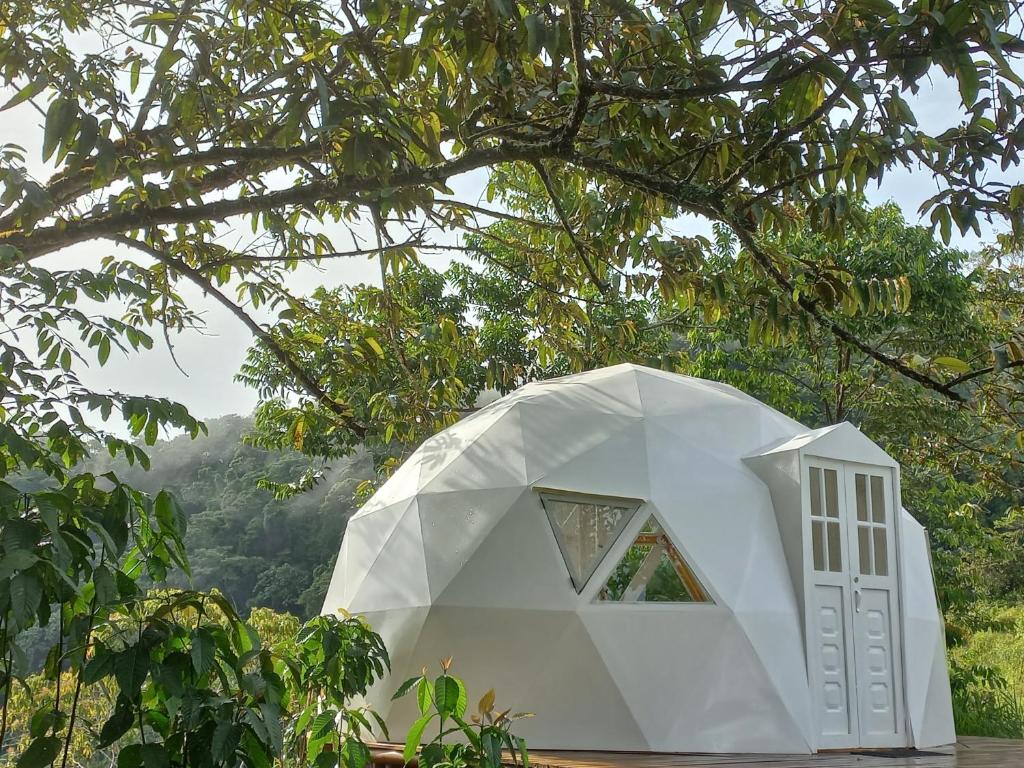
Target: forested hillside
point(258, 550)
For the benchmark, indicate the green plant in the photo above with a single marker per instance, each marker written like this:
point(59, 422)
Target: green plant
point(987, 672)
point(984, 704)
point(486, 735)
point(333, 660)
point(188, 681)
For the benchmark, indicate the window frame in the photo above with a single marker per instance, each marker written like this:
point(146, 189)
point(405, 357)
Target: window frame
point(633, 506)
point(706, 594)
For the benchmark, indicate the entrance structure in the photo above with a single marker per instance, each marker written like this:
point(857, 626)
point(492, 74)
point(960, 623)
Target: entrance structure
point(648, 561)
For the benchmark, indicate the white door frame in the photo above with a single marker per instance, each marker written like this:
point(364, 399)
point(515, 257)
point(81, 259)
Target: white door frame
point(845, 580)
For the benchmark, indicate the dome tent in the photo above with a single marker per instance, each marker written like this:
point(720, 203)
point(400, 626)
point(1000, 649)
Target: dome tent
point(649, 561)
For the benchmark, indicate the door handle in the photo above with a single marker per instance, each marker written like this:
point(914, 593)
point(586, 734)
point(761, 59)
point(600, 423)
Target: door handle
point(856, 600)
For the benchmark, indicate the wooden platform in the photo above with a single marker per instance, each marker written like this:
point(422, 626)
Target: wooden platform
point(968, 753)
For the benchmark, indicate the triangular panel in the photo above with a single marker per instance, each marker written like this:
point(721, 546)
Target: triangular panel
point(486, 452)
point(652, 571)
point(400, 629)
point(615, 466)
point(397, 578)
point(454, 524)
point(517, 565)
point(585, 527)
point(555, 435)
point(365, 537)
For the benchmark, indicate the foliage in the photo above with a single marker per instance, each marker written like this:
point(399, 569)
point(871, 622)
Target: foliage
point(597, 121)
point(485, 736)
point(169, 127)
point(988, 675)
point(185, 679)
point(257, 549)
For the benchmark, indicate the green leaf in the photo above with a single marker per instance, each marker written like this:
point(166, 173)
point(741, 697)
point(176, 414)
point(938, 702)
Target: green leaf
point(968, 79)
point(446, 696)
point(135, 70)
point(203, 651)
point(59, 117)
point(99, 666)
point(405, 687)
point(224, 741)
point(130, 756)
point(155, 756)
point(355, 754)
point(40, 752)
point(117, 725)
point(424, 695)
point(130, 669)
point(33, 88)
point(1016, 199)
point(952, 363)
point(413, 738)
point(254, 750)
point(323, 724)
point(272, 721)
point(490, 746)
point(25, 593)
point(534, 33)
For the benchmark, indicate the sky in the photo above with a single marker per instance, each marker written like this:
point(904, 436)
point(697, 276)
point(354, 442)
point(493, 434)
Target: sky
point(210, 359)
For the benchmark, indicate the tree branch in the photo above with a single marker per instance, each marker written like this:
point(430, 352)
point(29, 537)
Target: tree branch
point(583, 85)
point(811, 308)
point(347, 187)
point(556, 203)
point(301, 376)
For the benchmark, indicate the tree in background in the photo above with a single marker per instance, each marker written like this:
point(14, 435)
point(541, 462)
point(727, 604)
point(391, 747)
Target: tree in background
point(169, 125)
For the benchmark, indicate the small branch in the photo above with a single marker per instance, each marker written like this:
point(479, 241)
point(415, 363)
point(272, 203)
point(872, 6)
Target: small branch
point(154, 83)
point(236, 258)
point(682, 93)
point(301, 376)
point(567, 226)
point(970, 375)
point(495, 214)
point(348, 187)
point(583, 85)
point(764, 260)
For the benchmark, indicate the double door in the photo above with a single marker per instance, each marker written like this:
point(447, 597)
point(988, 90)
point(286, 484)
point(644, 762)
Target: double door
point(853, 607)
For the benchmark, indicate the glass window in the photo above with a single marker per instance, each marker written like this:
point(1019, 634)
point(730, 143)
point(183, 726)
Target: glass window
point(815, 490)
point(818, 540)
point(831, 493)
point(877, 499)
point(835, 549)
point(881, 555)
point(862, 497)
point(864, 545)
point(652, 571)
point(584, 530)
point(872, 532)
point(826, 534)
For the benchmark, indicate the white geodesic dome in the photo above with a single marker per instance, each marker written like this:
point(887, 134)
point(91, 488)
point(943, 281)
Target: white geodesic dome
point(469, 551)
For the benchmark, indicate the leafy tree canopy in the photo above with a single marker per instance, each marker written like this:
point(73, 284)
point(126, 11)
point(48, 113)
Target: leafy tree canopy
point(167, 123)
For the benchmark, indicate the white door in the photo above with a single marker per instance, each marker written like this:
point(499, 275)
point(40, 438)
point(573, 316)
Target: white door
point(854, 649)
point(875, 606)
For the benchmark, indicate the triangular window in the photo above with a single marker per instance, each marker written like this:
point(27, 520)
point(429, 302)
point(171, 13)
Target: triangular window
point(653, 571)
point(585, 528)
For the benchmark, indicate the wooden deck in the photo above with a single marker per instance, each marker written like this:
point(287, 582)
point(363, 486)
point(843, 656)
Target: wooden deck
point(968, 753)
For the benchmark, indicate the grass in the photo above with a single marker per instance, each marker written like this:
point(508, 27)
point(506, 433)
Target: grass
point(988, 678)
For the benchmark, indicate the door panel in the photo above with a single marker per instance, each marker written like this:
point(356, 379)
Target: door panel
point(875, 590)
point(835, 718)
point(855, 652)
point(875, 674)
